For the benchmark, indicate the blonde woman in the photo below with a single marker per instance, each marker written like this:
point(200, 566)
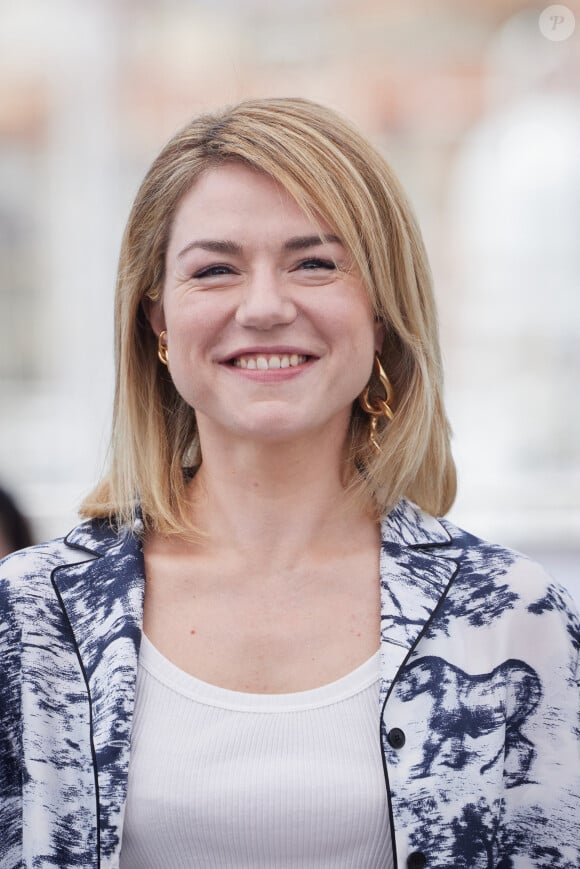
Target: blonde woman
point(262, 648)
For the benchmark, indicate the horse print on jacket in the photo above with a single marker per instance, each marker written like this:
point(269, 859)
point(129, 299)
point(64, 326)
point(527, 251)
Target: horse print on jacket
point(465, 711)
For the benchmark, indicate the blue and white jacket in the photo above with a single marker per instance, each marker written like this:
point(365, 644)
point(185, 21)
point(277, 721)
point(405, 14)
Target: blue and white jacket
point(479, 706)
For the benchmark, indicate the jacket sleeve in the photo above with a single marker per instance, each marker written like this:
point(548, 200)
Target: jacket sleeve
point(10, 729)
point(542, 756)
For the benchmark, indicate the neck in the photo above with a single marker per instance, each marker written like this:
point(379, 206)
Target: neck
point(275, 501)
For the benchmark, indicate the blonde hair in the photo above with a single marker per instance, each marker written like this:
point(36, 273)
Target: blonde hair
point(332, 171)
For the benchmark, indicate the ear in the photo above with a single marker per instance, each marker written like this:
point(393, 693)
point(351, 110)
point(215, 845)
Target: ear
point(380, 332)
point(153, 310)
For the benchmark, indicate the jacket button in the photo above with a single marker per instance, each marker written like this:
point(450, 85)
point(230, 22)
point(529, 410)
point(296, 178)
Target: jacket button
point(416, 860)
point(396, 738)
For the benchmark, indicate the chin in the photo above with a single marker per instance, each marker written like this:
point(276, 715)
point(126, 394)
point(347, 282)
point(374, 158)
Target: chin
point(274, 428)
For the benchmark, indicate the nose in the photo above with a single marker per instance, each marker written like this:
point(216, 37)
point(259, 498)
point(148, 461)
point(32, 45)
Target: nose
point(265, 304)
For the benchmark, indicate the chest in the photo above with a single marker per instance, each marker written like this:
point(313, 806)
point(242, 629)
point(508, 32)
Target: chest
point(264, 633)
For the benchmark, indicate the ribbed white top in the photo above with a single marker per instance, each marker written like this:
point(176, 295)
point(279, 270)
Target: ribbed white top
point(222, 779)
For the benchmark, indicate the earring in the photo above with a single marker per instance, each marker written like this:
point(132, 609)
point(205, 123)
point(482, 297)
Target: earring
point(381, 407)
point(162, 348)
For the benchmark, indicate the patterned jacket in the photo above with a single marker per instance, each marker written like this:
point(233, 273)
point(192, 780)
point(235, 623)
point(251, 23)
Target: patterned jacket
point(479, 705)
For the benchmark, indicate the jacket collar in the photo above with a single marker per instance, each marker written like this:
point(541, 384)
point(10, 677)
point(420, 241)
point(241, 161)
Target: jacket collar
point(408, 525)
point(417, 566)
point(97, 537)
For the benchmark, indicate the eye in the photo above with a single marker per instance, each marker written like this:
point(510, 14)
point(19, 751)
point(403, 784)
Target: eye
point(316, 263)
point(214, 271)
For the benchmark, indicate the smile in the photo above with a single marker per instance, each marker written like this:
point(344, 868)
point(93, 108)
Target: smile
point(263, 363)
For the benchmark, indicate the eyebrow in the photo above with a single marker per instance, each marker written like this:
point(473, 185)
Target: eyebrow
point(302, 242)
point(232, 248)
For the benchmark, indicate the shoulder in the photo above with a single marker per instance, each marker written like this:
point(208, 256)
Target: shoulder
point(408, 528)
point(32, 563)
point(480, 560)
point(490, 585)
point(25, 572)
point(496, 585)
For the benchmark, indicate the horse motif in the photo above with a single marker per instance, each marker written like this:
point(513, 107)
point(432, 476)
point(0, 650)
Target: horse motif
point(468, 709)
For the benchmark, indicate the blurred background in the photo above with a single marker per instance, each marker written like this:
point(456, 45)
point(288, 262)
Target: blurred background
point(477, 107)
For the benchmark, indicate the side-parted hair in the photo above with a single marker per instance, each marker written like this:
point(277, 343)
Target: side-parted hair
point(335, 174)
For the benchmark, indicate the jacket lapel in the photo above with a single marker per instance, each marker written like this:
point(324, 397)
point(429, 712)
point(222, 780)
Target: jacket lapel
point(103, 601)
point(416, 568)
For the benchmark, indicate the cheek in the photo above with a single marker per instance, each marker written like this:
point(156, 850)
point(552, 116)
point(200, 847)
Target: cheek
point(356, 352)
point(194, 332)
point(362, 333)
point(191, 326)
point(184, 343)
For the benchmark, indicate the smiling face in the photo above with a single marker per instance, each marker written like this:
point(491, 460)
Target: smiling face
point(269, 335)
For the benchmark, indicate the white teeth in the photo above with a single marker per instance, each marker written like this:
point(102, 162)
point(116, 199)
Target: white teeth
point(264, 363)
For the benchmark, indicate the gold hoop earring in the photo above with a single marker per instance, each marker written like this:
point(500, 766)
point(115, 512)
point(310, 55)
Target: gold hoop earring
point(381, 406)
point(162, 348)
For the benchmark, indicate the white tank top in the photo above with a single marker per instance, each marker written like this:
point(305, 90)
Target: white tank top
point(223, 779)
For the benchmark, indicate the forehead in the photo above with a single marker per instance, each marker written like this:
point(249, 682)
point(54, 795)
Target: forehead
point(219, 180)
point(238, 198)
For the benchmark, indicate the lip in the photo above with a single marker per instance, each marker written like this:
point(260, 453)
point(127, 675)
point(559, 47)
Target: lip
point(276, 350)
point(271, 375)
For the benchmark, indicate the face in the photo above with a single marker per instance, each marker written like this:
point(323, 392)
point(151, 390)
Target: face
point(270, 334)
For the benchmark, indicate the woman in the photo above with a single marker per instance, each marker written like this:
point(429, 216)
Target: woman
point(261, 648)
